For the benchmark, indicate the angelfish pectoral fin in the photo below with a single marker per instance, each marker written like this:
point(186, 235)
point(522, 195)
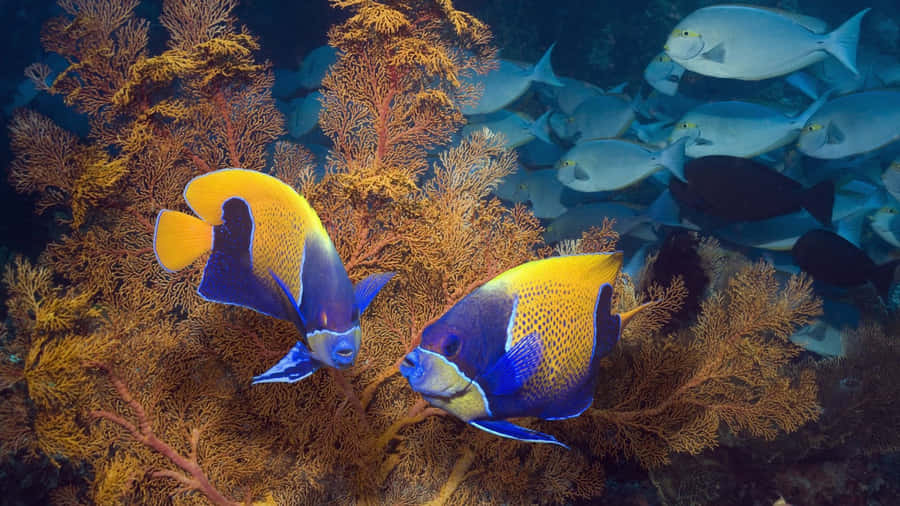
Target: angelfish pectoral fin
point(508, 430)
point(290, 305)
point(513, 368)
point(295, 366)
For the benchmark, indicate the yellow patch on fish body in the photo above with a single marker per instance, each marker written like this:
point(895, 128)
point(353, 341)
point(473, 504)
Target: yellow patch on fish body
point(283, 220)
point(557, 298)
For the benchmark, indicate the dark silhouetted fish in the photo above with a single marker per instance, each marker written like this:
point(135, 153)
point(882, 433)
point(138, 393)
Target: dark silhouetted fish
point(830, 258)
point(741, 189)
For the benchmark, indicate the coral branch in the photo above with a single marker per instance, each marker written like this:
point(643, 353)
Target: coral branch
point(459, 473)
point(196, 478)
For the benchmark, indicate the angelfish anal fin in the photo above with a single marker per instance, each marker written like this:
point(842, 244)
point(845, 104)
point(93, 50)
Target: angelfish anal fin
point(295, 366)
point(508, 430)
point(716, 54)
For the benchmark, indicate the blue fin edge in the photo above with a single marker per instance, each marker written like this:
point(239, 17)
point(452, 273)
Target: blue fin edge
point(290, 300)
point(514, 367)
point(508, 430)
point(293, 367)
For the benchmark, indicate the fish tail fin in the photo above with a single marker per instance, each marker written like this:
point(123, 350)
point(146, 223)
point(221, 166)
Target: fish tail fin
point(842, 42)
point(805, 83)
point(819, 201)
point(664, 210)
point(801, 119)
point(543, 70)
point(180, 238)
point(672, 158)
point(540, 128)
point(617, 89)
point(851, 228)
point(883, 278)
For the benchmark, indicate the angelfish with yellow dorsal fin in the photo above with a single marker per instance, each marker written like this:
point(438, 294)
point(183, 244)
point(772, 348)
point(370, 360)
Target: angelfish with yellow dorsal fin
point(269, 252)
point(526, 343)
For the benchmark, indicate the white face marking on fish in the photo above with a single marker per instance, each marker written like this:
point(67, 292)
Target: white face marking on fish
point(685, 44)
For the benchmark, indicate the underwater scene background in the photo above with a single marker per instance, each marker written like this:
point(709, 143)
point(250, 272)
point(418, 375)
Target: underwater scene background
point(749, 172)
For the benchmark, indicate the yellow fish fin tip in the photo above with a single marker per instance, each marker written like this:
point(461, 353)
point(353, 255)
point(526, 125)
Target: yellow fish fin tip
point(180, 239)
point(628, 315)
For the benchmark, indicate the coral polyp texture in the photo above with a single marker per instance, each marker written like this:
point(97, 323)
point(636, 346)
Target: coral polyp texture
point(111, 362)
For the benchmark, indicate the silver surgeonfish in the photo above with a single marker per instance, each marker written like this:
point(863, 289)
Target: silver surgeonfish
point(742, 129)
point(517, 128)
point(852, 124)
point(891, 179)
point(753, 43)
point(508, 82)
point(629, 220)
point(612, 164)
point(600, 117)
point(664, 74)
point(539, 187)
point(886, 223)
point(573, 92)
point(526, 343)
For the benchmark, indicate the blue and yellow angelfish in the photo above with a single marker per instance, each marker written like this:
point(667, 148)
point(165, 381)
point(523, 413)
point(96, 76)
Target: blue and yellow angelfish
point(526, 343)
point(269, 252)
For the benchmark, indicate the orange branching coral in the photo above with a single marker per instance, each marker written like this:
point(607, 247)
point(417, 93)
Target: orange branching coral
point(394, 93)
point(729, 368)
point(53, 163)
point(179, 415)
point(101, 39)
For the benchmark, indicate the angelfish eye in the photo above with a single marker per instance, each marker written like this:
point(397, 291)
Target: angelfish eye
point(451, 345)
point(685, 33)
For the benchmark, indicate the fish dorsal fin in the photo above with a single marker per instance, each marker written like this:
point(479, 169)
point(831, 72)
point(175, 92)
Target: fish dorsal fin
point(513, 368)
point(835, 134)
point(812, 24)
point(716, 54)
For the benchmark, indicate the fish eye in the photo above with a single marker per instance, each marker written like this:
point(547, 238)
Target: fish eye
point(451, 345)
point(685, 33)
point(813, 127)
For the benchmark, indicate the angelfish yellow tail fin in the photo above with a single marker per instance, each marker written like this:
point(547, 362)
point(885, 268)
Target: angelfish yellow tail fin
point(628, 315)
point(180, 239)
